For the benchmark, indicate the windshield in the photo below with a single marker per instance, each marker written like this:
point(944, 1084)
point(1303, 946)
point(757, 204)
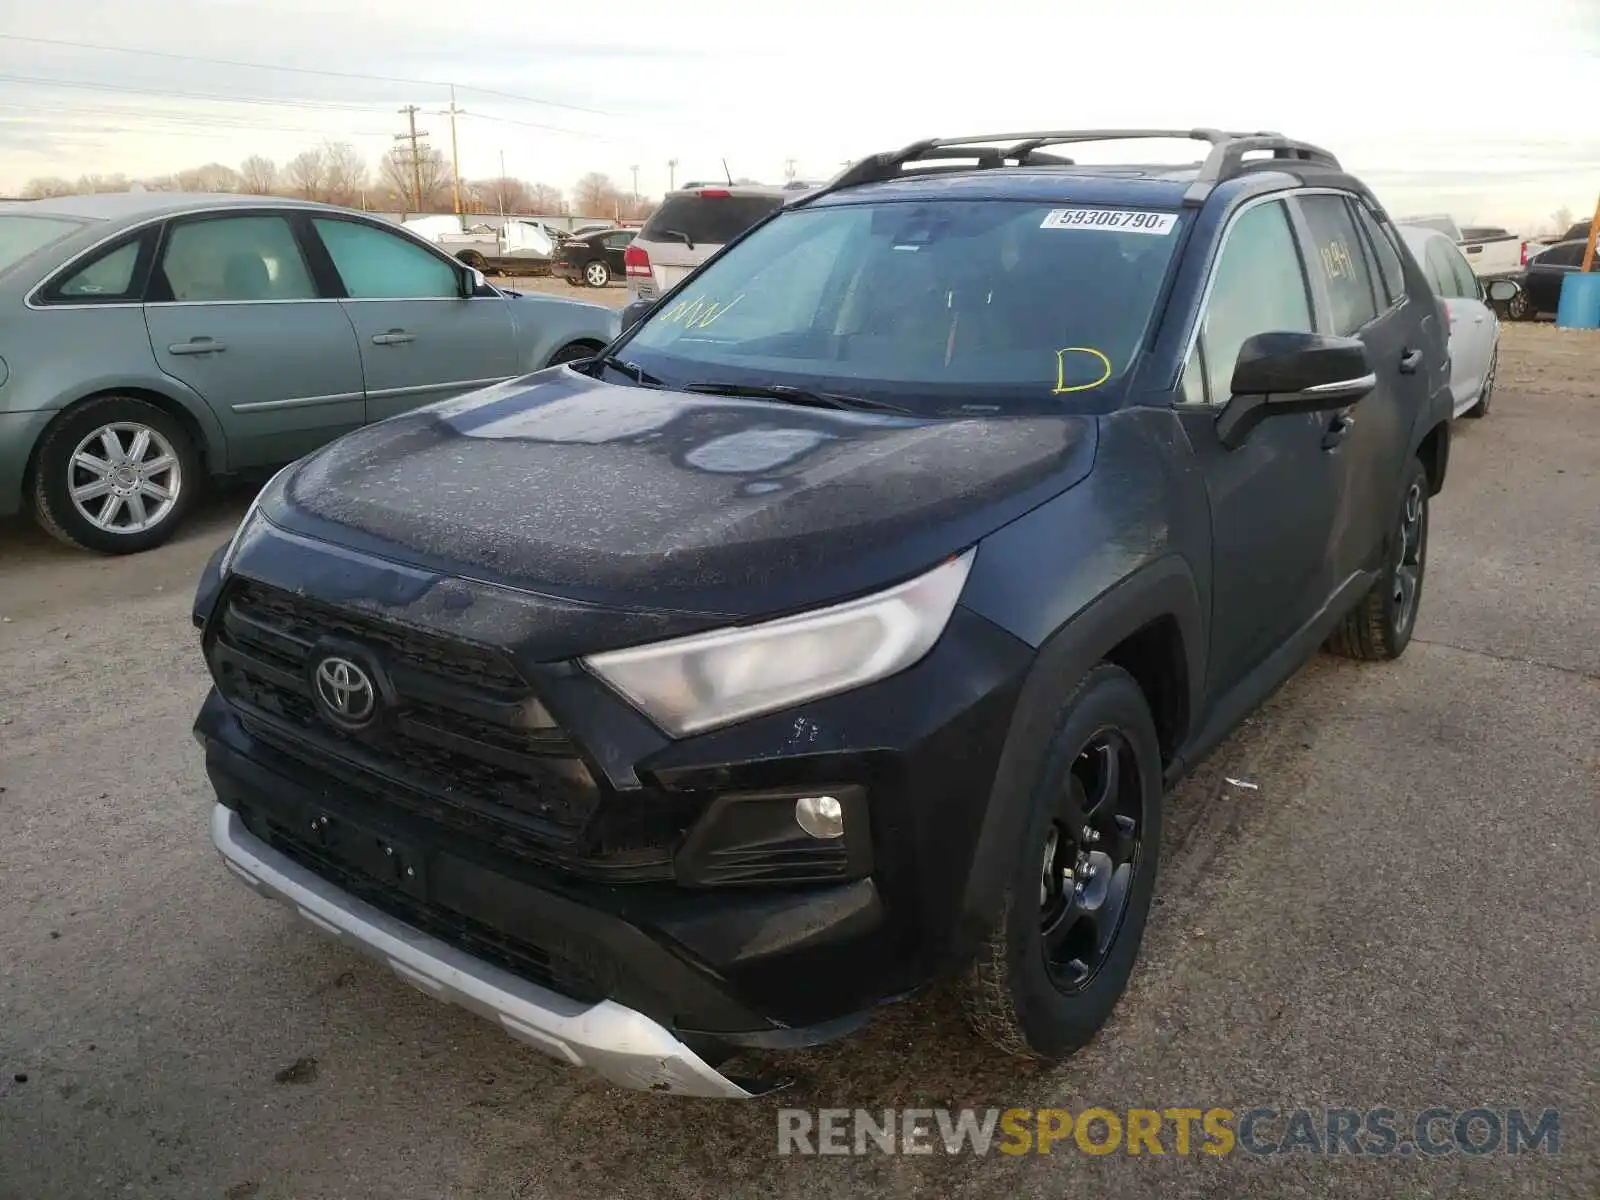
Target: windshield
point(21, 236)
point(982, 302)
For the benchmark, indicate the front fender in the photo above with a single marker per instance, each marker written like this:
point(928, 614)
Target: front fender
point(547, 323)
point(1164, 588)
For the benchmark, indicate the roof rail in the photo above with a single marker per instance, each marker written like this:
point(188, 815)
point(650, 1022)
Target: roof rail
point(1224, 161)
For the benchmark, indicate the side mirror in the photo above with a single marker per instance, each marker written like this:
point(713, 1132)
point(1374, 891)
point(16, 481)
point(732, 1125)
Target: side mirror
point(472, 281)
point(633, 311)
point(1502, 290)
point(1282, 373)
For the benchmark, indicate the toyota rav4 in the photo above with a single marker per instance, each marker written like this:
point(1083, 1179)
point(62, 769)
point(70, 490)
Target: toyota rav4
point(839, 628)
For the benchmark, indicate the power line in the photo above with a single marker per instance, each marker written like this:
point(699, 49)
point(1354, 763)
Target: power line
point(218, 122)
point(331, 105)
point(231, 62)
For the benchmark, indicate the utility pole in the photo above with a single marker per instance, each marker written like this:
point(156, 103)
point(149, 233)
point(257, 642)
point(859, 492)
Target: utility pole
point(672, 174)
point(635, 170)
point(455, 159)
point(502, 189)
point(789, 168)
point(413, 136)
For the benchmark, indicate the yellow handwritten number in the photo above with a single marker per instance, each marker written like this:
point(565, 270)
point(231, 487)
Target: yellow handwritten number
point(1061, 387)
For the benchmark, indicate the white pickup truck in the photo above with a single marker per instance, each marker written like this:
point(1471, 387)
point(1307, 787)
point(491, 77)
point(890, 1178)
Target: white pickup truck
point(1494, 253)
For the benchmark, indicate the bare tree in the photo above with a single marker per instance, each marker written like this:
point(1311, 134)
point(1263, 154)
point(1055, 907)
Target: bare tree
point(397, 181)
point(596, 196)
point(212, 177)
point(88, 184)
point(307, 173)
point(545, 200)
point(45, 186)
point(497, 195)
point(1562, 220)
point(258, 176)
point(345, 174)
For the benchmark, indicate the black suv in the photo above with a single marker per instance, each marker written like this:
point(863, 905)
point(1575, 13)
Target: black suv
point(841, 626)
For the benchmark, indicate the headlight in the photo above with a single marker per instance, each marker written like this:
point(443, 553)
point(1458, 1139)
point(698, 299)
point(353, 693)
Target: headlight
point(696, 683)
point(251, 515)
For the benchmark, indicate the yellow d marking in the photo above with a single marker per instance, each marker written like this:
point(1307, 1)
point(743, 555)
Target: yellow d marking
point(1061, 387)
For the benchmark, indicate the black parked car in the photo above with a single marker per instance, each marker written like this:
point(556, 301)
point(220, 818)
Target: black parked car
point(841, 627)
point(593, 259)
point(1542, 278)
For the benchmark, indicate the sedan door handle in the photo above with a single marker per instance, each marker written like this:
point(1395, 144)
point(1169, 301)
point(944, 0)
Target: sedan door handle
point(199, 345)
point(1410, 361)
point(393, 338)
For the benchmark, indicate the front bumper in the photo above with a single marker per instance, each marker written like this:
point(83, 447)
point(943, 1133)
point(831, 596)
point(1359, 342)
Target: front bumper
point(619, 1044)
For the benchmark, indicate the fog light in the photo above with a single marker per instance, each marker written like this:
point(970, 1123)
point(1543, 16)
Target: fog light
point(820, 816)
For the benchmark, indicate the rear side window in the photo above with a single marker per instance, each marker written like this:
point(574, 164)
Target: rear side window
point(234, 258)
point(1441, 271)
point(1466, 277)
point(113, 276)
point(1390, 273)
point(1337, 259)
point(712, 218)
point(1570, 255)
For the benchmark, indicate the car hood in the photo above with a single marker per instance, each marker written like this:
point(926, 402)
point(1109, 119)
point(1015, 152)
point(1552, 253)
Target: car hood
point(649, 499)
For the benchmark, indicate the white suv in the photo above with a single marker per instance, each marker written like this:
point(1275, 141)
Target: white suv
point(691, 225)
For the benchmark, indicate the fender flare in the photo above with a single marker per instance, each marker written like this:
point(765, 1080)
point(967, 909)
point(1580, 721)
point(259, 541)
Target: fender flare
point(1163, 588)
point(174, 392)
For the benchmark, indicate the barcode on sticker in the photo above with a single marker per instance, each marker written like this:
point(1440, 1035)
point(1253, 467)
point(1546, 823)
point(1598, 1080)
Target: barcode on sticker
point(1119, 220)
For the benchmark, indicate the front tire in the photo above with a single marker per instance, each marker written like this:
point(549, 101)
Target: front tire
point(573, 352)
point(597, 274)
point(1074, 914)
point(1520, 307)
point(1380, 627)
point(116, 475)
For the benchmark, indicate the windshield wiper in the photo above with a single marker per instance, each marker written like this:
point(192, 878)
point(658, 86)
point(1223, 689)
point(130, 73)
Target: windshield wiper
point(633, 371)
point(680, 234)
point(795, 395)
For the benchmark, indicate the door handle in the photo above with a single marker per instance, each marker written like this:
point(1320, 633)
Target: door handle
point(393, 338)
point(199, 345)
point(1410, 361)
point(1337, 429)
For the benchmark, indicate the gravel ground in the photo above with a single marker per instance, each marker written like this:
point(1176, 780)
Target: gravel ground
point(1400, 913)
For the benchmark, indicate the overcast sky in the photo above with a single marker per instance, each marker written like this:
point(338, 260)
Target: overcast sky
point(1485, 109)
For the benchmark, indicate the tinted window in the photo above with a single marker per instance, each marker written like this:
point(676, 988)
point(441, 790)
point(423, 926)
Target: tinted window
point(1336, 257)
point(713, 219)
point(108, 277)
point(21, 236)
point(1258, 286)
point(1466, 277)
point(377, 264)
point(618, 241)
point(1390, 272)
point(1441, 271)
point(1568, 255)
point(235, 258)
point(958, 301)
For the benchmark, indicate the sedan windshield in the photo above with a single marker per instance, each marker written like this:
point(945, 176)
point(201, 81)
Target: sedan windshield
point(21, 236)
point(978, 303)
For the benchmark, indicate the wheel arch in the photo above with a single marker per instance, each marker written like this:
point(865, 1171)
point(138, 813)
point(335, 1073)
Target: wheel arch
point(1150, 624)
point(585, 343)
point(1433, 448)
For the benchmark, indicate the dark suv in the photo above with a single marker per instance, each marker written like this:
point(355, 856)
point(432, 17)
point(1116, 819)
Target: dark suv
point(840, 628)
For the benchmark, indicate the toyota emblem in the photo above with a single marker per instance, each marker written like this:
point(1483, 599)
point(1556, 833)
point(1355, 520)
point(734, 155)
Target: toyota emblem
point(346, 691)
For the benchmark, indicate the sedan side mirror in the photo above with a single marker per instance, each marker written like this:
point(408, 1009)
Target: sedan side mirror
point(633, 311)
point(472, 282)
point(1282, 373)
point(1502, 290)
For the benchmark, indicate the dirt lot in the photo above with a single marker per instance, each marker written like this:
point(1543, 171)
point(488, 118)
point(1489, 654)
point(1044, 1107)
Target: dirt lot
point(1400, 913)
point(614, 295)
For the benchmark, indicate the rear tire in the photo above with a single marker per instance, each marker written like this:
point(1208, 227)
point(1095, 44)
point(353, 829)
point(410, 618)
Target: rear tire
point(596, 273)
point(115, 475)
point(1520, 307)
point(572, 352)
point(1074, 913)
point(1380, 627)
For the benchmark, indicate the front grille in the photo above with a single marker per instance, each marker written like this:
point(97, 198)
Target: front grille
point(464, 740)
point(535, 963)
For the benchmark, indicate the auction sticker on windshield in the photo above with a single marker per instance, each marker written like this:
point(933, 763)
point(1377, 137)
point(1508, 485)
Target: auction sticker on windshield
point(1119, 220)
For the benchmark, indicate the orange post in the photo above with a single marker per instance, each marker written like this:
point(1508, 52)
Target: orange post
point(1594, 235)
